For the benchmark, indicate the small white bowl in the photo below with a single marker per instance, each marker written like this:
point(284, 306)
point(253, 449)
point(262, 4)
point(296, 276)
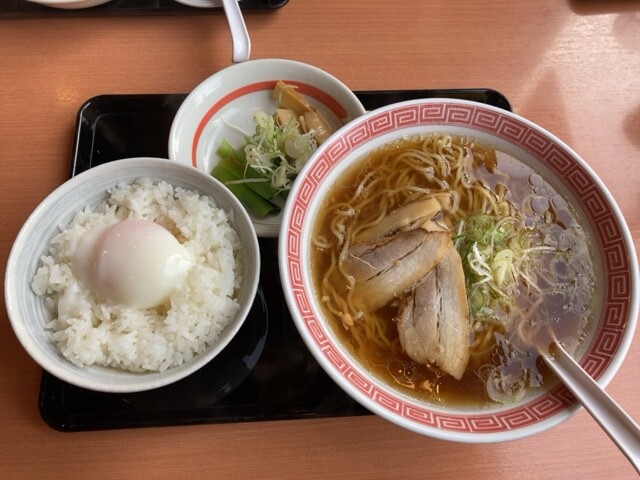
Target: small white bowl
point(70, 4)
point(230, 98)
point(201, 3)
point(27, 311)
point(612, 244)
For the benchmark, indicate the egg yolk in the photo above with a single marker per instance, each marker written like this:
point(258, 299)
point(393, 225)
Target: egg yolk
point(135, 262)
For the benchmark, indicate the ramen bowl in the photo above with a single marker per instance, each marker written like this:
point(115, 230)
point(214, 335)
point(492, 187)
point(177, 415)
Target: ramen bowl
point(615, 298)
point(31, 312)
point(222, 107)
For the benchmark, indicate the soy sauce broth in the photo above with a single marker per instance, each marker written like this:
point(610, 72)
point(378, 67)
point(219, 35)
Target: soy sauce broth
point(506, 367)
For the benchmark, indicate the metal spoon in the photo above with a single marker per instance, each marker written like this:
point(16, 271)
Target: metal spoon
point(241, 43)
point(620, 427)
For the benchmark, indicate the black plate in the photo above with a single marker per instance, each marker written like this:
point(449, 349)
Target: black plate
point(22, 8)
point(266, 372)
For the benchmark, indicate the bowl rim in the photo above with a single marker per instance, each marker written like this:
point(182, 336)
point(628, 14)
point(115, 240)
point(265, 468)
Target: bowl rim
point(139, 381)
point(70, 4)
point(293, 265)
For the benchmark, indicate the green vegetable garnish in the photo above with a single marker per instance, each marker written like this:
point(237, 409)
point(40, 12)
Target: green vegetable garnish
point(271, 158)
point(488, 247)
point(256, 204)
point(235, 161)
point(278, 152)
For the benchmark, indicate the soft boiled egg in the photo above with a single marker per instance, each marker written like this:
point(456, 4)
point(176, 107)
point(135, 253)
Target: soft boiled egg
point(135, 262)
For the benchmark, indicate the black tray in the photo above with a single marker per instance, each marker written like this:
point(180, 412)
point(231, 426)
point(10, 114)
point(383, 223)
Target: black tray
point(22, 8)
point(266, 372)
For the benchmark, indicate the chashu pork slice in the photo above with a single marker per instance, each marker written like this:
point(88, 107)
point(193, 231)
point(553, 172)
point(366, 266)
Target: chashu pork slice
point(418, 211)
point(433, 322)
point(383, 270)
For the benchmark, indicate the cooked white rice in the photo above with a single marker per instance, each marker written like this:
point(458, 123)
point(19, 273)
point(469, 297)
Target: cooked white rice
point(89, 331)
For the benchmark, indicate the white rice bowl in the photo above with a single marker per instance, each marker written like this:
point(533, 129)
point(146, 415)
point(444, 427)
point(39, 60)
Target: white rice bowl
point(82, 339)
point(90, 331)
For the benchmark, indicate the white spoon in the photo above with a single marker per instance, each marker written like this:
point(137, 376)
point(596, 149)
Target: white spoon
point(620, 427)
point(241, 43)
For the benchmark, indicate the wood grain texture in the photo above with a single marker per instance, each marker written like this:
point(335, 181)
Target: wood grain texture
point(571, 66)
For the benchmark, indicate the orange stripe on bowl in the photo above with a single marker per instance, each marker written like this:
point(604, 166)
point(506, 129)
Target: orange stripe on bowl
point(304, 88)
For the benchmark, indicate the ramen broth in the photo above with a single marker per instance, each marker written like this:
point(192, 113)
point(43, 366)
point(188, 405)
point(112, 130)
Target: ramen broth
point(553, 275)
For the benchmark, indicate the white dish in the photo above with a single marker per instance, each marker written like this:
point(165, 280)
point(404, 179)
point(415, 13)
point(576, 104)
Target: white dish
point(222, 107)
point(27, 311)
point(70, 4)
point(202, 3)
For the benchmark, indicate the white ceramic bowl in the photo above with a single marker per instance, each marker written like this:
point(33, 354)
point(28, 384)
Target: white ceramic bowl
point(27, 311)
point(70, 4)
point(202, 3)
point(229, 98)
point(601, 355)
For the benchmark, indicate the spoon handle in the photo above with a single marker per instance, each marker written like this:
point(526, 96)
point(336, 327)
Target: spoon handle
point(620, 427)
point(241, 43)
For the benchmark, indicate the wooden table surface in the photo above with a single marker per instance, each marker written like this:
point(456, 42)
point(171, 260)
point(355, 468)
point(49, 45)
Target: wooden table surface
point(572, 66)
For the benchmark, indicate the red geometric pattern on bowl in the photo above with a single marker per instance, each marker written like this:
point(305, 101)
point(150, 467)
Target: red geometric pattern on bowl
point(610, 245)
